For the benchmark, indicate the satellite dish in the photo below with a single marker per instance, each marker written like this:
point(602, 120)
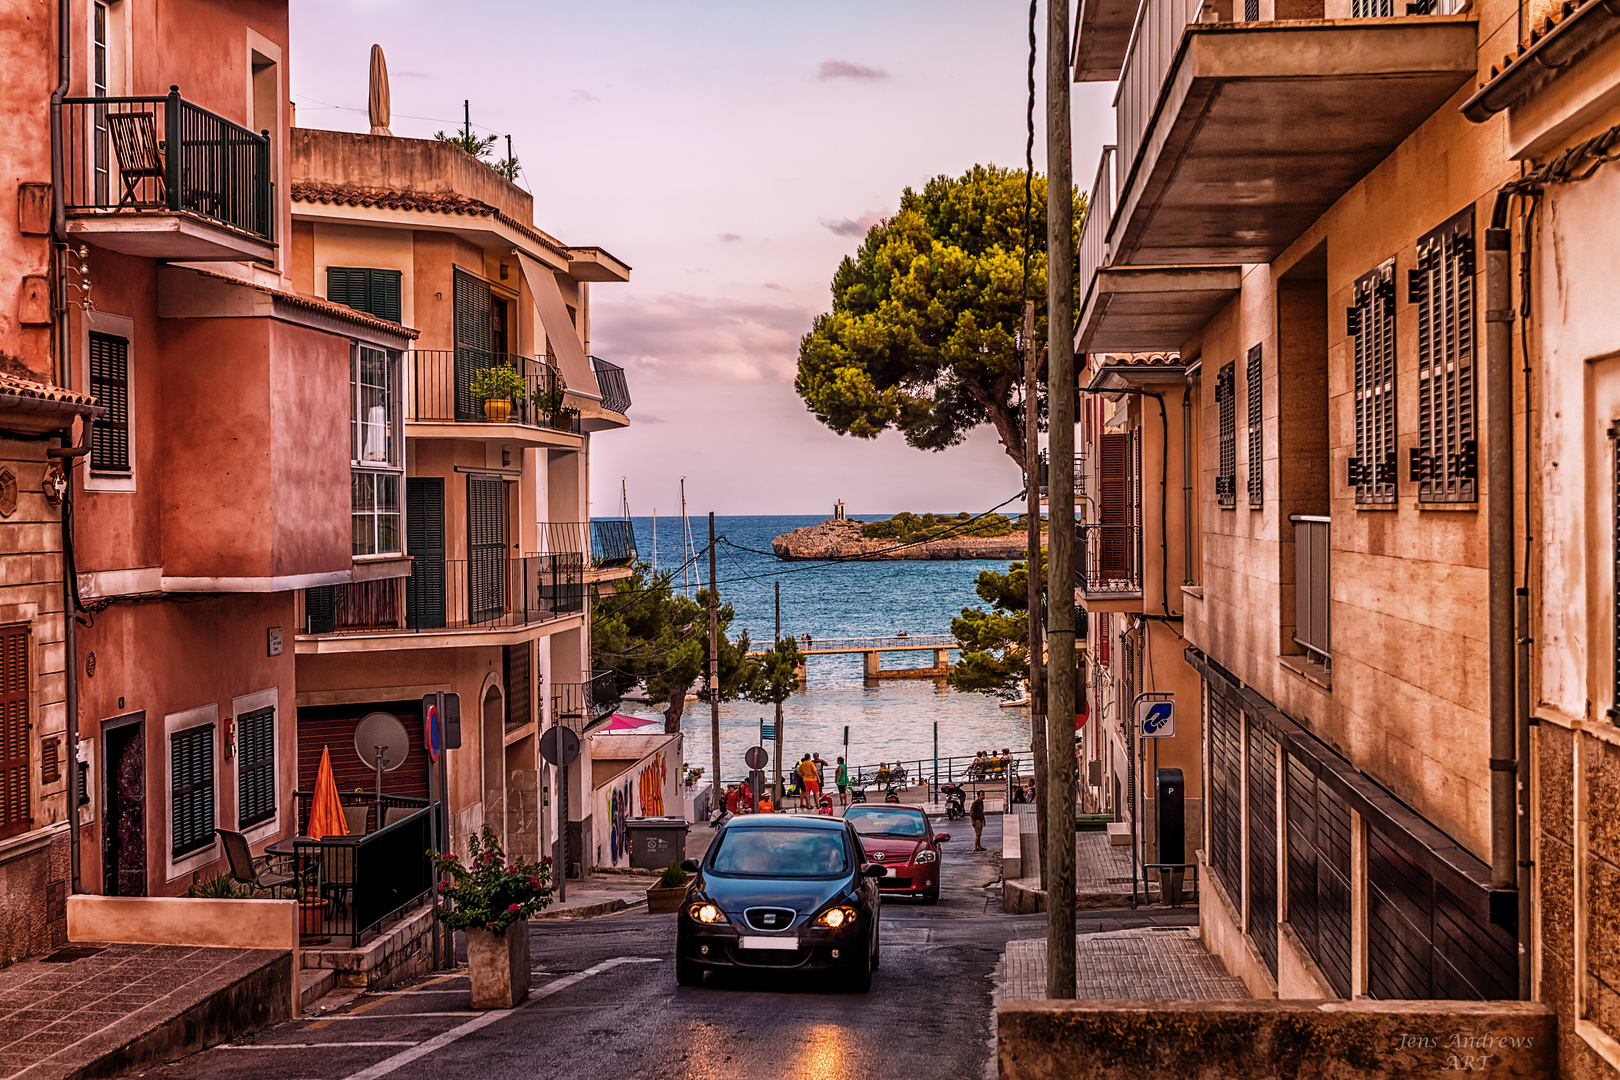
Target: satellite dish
point(380, 734)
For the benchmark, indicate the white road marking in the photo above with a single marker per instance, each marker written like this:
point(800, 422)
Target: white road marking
point(305, 1046)
point(405, 1057)
point(395, 1016)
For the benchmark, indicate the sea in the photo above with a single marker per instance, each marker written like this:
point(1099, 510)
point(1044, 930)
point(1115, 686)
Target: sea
point(893, 720)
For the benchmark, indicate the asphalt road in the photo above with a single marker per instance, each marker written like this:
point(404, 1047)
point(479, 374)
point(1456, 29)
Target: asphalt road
point(606, 1005)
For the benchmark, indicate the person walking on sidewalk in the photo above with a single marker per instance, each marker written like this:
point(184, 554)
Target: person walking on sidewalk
point(841, 777)
point(976, 815)
point(808, 788)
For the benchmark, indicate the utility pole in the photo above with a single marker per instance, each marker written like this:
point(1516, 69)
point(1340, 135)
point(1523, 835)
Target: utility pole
point(714, 672)
point(776, 787)
point(1037, 644)
point(1060, 943)
point(466, 119)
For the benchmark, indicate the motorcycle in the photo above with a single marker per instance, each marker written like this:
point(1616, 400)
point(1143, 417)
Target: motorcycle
point(955, 801)
point(891, 795)
point(857, 795)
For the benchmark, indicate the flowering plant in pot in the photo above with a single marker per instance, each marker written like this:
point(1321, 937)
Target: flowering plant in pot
point(668, 891)
point(500, 386)
point(490, 899)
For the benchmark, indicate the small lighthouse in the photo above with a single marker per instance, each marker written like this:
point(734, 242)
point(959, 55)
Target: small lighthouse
point(838, 510)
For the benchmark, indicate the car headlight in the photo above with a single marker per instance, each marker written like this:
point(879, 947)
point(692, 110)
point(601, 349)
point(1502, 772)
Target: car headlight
point(833, 918)
point(926, 855)
point(705, 912)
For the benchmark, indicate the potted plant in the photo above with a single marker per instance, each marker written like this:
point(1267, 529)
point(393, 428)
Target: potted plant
point(500, 386)
point(493, 900)
point(549, 403)
point(668, 891)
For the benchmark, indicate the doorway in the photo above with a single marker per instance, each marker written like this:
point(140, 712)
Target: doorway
point(123, 818)
point(494, 754)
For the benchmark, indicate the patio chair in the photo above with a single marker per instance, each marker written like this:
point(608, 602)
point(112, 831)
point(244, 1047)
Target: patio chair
point(243, 869)
point(140, 155)
point(337, 874)
point(397, 813)
point(356, 818)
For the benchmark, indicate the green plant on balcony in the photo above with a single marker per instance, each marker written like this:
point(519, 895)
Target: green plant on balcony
point(500, 386)
point(549, 403)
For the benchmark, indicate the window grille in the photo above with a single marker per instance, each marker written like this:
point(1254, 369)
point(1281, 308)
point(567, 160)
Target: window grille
point(1372, 9)
point(1445, 460)
point(1226, 479)
point(373, 291)
point(109, 382)
point(15, 813)
point(1255, 387)
point(255, 767)
point(1371, 322)
point(191, 820)
point(1251, 10)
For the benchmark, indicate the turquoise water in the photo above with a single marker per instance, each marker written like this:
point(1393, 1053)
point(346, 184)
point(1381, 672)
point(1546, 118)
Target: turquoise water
point(892, 720)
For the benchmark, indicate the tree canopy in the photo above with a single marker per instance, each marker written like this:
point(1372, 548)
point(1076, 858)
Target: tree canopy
point(649, 632)
point(995, 642)
point(922, 335)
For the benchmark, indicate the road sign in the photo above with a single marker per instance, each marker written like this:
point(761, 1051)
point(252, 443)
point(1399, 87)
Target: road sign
point(756, 757)
point(559, 746)
point(432, 727)
point(1156, 719)
point(767, 732)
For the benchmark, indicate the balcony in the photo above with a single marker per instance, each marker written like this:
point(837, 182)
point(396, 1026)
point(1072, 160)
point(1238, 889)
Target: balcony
point(1234, 137)
point(579, 705)
point(1079, 475)
point(1312, 562)
point(441, 382)
point(161, 178)
point(487, 597)
point(615, 390)
point(1108, 566)
point(607, 544)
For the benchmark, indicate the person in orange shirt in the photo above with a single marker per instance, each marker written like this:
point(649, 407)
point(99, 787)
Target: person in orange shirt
point(810, 789)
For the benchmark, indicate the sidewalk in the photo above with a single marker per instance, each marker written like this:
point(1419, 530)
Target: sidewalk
point(1102, 871)
point(601, 894)
point(1166, 964)
point(107, 1009)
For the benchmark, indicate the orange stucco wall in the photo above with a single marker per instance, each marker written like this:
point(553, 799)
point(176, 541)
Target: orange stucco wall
point(27, 56)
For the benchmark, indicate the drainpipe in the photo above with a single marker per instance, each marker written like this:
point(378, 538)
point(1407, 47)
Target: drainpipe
point(1186, 488)
point(1499, 444)
point(70, 626)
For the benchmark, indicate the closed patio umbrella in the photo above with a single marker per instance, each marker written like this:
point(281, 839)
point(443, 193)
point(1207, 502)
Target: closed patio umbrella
point(377, 103)
point(326, 815)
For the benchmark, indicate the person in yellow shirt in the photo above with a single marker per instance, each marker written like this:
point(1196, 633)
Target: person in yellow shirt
point(809, 789)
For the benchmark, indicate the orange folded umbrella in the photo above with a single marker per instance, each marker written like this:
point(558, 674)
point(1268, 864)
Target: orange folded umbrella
point(326, 816)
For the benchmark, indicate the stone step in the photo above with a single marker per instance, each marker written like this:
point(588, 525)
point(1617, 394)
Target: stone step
point(314, 984)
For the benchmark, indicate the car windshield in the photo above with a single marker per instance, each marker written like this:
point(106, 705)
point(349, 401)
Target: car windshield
point(881, 821)
point(765, 852)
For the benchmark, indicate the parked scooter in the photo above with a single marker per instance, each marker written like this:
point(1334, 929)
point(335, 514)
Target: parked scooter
point(955, 801)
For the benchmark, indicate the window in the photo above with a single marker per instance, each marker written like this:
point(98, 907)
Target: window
point(191, 786)
point(1445, 461)
point(109, 382)
point(375, 292)
point(1371, 322)
point(1226, 479)
point(255, 767)
point(1254, 387)
point(374, 450)
point(15, 811)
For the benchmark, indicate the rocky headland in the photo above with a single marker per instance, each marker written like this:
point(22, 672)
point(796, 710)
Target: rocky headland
point(842, 538)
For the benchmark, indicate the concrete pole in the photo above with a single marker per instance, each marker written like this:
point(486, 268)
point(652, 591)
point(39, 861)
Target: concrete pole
point(1037, 640)
point(714, 674)
point(776, 787)
point(1060, 942)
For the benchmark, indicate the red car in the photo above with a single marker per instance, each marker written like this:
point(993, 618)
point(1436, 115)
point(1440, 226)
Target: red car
point(900, 838)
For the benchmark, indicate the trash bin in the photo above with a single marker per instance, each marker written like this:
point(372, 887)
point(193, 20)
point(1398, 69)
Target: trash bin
point(655, 842)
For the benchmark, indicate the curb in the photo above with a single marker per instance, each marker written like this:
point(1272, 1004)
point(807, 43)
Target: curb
point(587, 911)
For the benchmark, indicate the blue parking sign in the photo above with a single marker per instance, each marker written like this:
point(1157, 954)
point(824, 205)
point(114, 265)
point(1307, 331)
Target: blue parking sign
point(1156, 719)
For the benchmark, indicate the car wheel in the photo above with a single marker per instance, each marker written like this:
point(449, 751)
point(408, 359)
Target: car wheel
point(687, 973)
point(860, 980)
point(877, 950)
point(931, 896)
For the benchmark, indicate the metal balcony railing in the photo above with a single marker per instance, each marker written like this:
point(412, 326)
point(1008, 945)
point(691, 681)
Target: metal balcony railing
point(578, 705)
point(143, 154)
point(442, 380)
point(611, 381)
point(486, 592)
point(1110, 560)
point(604, 543)
point(1093, 254)
point(1312, 561)
point(1079, 474)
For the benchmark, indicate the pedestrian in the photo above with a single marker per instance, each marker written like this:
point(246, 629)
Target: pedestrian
point(821, 771)
point(807, 782)
point(976, 815)
point(842, 779)
point(1031, 797)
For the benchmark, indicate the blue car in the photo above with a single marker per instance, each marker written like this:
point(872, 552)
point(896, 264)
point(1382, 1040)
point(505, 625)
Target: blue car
point(781, 892)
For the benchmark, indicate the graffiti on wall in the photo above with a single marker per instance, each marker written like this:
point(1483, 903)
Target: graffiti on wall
point(619, 817)
point(652, 787)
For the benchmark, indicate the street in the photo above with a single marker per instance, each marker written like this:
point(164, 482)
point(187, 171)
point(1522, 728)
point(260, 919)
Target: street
point(605, 998)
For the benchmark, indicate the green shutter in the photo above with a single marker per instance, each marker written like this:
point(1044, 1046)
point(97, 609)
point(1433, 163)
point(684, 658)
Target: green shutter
point(424, 542)
point(475, 337)
point(486, 548)
point(320, 609)
point(376, 292)
point(191, 759)
point(109, 382)
point(255, 767)
point(384, 288)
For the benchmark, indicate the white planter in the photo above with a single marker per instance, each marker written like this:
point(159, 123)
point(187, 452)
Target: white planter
point(498, 966)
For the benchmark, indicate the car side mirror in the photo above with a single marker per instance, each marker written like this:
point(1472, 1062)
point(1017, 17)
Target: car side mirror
point(942, 837)
point(873, 870)
point(691, 866)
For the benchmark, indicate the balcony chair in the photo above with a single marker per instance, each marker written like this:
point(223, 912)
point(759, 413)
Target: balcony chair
point(356, 817)
point(140, 155)
point(243, 869)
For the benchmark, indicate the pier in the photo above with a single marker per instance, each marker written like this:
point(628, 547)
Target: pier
point(873, 648)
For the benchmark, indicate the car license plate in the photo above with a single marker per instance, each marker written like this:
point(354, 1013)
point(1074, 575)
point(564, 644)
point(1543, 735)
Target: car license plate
point(756, 941)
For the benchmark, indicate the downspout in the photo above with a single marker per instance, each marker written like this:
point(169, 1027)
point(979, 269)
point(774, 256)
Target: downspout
point(1503, 685)
point(1186, 487)
point(1524, 639)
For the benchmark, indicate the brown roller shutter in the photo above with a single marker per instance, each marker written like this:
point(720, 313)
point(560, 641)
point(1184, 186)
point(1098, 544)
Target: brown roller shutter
point(15, 815)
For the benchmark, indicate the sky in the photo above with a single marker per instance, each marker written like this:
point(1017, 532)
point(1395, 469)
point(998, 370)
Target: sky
point(731, 153)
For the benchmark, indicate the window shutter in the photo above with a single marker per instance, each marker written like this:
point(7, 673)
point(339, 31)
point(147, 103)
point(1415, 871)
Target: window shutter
point(1254, 387)
point(348, 286)
point(109, 382)
point(15, 812)
point(1372, 323)
point(1444, 463)
point(255, 767)
point(475, 334)
point(517, 665)
point(486, 548)
point(384, 287)
point(1226, 398)
point(424, 542)
point(1105, 629)
point(320, 609)
point(191, 759)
